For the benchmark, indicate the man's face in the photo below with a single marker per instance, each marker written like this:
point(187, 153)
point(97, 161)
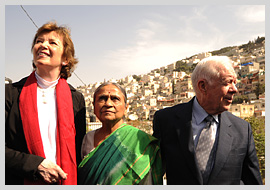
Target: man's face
point(219, 95)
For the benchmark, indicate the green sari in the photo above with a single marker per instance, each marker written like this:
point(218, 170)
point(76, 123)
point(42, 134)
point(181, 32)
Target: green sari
point(124, 158)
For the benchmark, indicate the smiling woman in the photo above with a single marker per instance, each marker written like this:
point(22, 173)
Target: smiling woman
point(48, 52)
point(54, 42)
point(44, 115)
point(117, 153)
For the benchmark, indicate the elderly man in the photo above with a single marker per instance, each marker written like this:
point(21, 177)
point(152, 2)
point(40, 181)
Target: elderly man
point(202, 143)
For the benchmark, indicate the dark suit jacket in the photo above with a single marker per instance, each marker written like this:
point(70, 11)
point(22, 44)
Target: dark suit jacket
point(236, 158)
point(19, 164)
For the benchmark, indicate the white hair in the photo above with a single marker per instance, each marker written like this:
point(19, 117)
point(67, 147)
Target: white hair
point(210, 68)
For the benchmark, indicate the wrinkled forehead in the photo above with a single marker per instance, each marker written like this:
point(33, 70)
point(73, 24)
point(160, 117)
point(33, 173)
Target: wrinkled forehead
point(109, 90)
point(228, 72)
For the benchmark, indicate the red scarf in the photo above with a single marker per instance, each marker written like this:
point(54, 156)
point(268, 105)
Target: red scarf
point(65, 141)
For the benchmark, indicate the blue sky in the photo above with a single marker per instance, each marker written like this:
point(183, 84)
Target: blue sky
point(114, 41)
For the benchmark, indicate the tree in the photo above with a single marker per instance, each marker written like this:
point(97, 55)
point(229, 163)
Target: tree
point(258, 129)
point(137, 78)
point(192, 68)
point(181, 66)
point(222, 50)
point(240, 99)
point(259, 40)
point(173, 87)
point(260, 90)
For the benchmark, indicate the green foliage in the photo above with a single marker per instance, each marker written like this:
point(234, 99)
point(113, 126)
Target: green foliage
point(240, 99)
point(260, 89)
point(258, 129)
point(222, 50)
point(247, 47)
point(192, 68)
point(259, 40)
point(182, 66)
point(173, 87)
point(252, 44)
point(137, 78)
point(165, 71)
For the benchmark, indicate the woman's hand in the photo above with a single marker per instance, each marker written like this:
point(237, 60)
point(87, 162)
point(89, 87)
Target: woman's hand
point(51, 172)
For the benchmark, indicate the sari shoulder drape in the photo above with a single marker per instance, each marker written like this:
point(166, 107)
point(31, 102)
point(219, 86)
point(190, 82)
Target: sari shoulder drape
point(124, 158)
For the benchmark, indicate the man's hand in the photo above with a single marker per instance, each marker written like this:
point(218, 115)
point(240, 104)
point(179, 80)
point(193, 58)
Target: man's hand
point(51, 172)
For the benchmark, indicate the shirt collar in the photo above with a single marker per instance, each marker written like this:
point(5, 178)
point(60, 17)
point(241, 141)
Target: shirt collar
point(200, 114)
point(45, 84)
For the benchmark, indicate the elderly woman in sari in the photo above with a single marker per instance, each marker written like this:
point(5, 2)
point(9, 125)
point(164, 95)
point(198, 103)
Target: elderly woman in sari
point(117, 153)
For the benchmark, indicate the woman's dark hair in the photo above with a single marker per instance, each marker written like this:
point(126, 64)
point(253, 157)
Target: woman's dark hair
point(115, 84)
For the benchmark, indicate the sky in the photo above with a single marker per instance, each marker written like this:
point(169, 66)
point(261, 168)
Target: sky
point(115, 41)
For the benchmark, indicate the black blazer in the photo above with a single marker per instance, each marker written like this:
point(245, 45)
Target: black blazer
point(19, 164)
point(236, 158)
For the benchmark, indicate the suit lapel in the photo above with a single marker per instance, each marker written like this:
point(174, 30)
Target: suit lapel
point(185, 135)
point(224, 145)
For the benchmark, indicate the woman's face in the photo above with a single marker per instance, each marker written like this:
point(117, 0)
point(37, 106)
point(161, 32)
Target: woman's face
point(48, 51)
point(110, 104)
